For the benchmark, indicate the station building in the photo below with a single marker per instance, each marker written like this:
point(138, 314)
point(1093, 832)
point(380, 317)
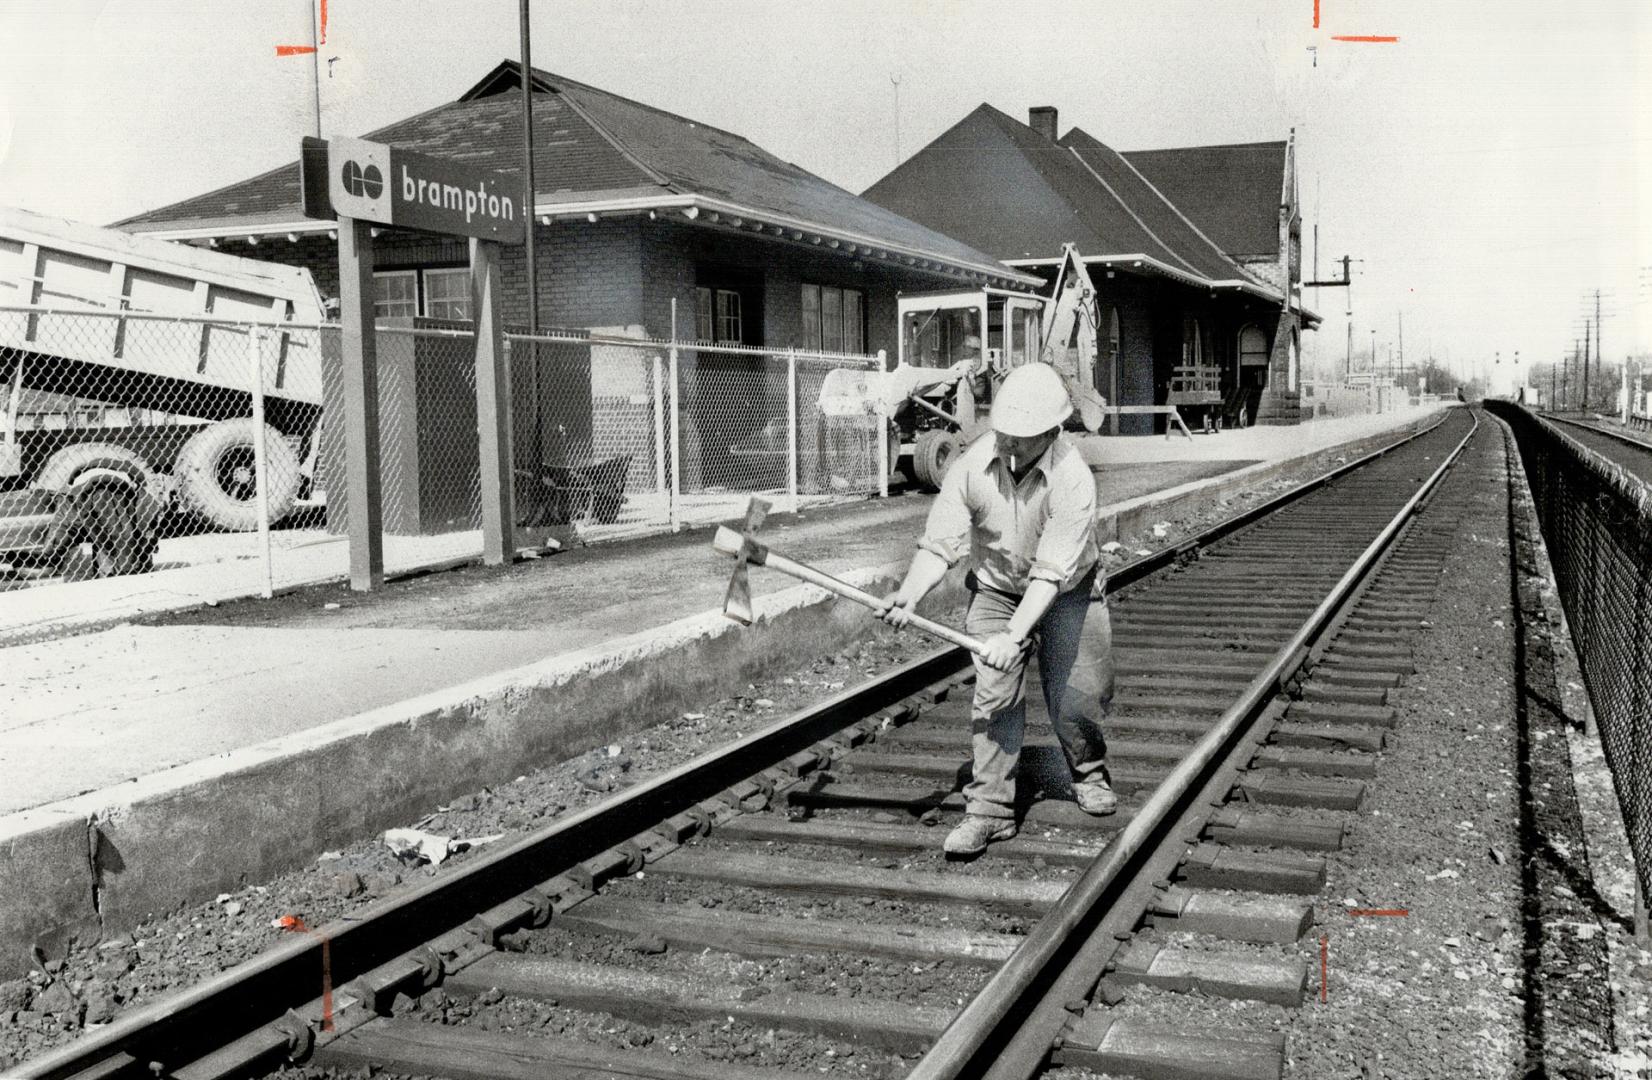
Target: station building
point(1195, 253)
point(635, 208)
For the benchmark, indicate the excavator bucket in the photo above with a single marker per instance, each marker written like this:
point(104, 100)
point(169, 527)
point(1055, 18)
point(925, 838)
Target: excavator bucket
point(853, 392)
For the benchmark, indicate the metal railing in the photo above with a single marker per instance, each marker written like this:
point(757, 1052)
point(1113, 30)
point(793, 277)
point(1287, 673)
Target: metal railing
point(1596, 520)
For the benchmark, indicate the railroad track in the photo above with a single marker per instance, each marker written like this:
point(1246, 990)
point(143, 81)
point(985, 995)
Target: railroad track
point(1631, 452)
point(782, 902)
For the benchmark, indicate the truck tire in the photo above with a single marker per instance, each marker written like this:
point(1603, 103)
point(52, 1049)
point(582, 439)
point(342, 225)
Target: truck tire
point(932, 455)
point(217, 480)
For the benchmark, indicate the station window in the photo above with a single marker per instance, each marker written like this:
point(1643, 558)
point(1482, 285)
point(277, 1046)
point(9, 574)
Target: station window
point(434, 292)
point(447, 293)
point(834, 319)
point(396, 293)
point(717, 315)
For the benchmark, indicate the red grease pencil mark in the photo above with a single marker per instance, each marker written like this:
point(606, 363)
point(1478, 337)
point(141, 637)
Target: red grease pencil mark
point(1324, 965)
point(1364, 37)
point(296, 925)
point(305, 50)
point(1379, 911)
point(1316, 14)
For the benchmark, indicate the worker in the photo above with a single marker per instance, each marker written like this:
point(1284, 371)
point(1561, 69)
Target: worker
point(1021, 506)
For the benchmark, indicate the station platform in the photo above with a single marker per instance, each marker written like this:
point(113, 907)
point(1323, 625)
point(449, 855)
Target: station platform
point(324, 714)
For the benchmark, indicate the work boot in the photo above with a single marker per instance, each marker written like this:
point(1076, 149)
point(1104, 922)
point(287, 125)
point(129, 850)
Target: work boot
point(976, 831)
point(1095, 796)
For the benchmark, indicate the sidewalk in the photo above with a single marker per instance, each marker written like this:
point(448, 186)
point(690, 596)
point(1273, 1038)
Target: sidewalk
point(100, 708)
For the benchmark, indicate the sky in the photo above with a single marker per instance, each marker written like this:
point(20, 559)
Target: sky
point(1489, 170)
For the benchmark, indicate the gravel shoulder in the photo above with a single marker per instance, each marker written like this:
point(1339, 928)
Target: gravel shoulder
point(1436, 992)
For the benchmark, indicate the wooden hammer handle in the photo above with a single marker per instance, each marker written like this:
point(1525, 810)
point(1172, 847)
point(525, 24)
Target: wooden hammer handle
point(729, 542)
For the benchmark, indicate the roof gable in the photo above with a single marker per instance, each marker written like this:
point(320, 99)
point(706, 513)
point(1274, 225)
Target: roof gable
point(1232, 192)
point(1155, 212)
point(1003, 187)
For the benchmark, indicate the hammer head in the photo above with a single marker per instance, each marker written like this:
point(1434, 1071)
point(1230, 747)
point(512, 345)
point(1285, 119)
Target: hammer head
point(737, 601)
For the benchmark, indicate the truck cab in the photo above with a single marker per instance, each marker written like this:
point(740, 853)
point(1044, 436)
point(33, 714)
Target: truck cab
point(975, 336)
point(991, 329)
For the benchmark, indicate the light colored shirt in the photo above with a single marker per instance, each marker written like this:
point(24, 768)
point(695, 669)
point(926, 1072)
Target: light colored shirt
point(1042, 528)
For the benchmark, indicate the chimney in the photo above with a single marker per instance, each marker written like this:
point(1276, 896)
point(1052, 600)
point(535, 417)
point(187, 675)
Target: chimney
point(1041, 118)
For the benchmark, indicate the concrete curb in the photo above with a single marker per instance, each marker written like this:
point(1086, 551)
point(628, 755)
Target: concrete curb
point(104, 861)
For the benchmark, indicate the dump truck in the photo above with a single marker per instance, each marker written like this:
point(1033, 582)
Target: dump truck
point(955, 346)
point(127, 383)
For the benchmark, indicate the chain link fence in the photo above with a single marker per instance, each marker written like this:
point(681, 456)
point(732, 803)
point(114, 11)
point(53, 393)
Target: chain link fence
point(639, 435)
point(132, 443)
point(1597, 524)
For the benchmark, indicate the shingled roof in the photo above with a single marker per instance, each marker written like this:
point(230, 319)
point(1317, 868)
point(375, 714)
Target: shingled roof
point(997, 184)
point(598, 152)
point(1232, 192)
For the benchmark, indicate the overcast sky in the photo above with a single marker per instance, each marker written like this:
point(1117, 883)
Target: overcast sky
point(1492, 168)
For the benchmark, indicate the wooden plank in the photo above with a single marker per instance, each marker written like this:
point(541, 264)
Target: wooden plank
point(767, 935)
point(1236, 975)
point(416, 1048)
point(1329, 713)
point(898, 839)
point(1344, 695)
point(1215, 866)
point(1320, 793)
point(493, 407)
point(1303, 831)
point(1103, 1043)
point(1278, 919)
point(360, 420)
point(903, 799)
point(666, 1000)
point(812, 877)
point(1317, 762)
point(1330, 736)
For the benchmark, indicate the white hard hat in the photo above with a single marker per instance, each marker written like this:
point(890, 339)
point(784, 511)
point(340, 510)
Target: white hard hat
point(1031, 400)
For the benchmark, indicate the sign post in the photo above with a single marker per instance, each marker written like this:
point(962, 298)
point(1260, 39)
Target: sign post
point(370, 183)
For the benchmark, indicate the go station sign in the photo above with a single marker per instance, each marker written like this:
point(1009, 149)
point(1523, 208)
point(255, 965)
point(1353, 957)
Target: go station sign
point(390, 186)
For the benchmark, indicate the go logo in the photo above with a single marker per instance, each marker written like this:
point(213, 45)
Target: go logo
point(358, 179)
point(365, 183)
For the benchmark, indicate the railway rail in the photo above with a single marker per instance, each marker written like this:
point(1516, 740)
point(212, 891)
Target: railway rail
point(786, 889)
point(1632, 452)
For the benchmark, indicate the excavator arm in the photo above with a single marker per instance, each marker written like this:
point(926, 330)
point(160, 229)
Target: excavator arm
point(1069, 336)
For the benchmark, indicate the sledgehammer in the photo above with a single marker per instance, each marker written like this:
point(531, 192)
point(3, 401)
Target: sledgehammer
point(748, 549)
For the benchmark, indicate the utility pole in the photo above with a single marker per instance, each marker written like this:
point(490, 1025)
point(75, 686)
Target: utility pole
point(1600, 351)
point(1584, 404)
point(895, 81)
point(1566, 374)
point(1345, 282)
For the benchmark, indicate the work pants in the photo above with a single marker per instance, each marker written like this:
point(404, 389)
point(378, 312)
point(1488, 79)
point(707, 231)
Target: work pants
point(1074, 644)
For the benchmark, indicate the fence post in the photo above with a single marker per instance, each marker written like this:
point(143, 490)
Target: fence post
point(659, 427)
point(260, 457)
point(884, 464)
point(676, 429)
point(791, 426)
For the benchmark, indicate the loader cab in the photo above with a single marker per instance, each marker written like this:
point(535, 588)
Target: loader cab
point(991, 328)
